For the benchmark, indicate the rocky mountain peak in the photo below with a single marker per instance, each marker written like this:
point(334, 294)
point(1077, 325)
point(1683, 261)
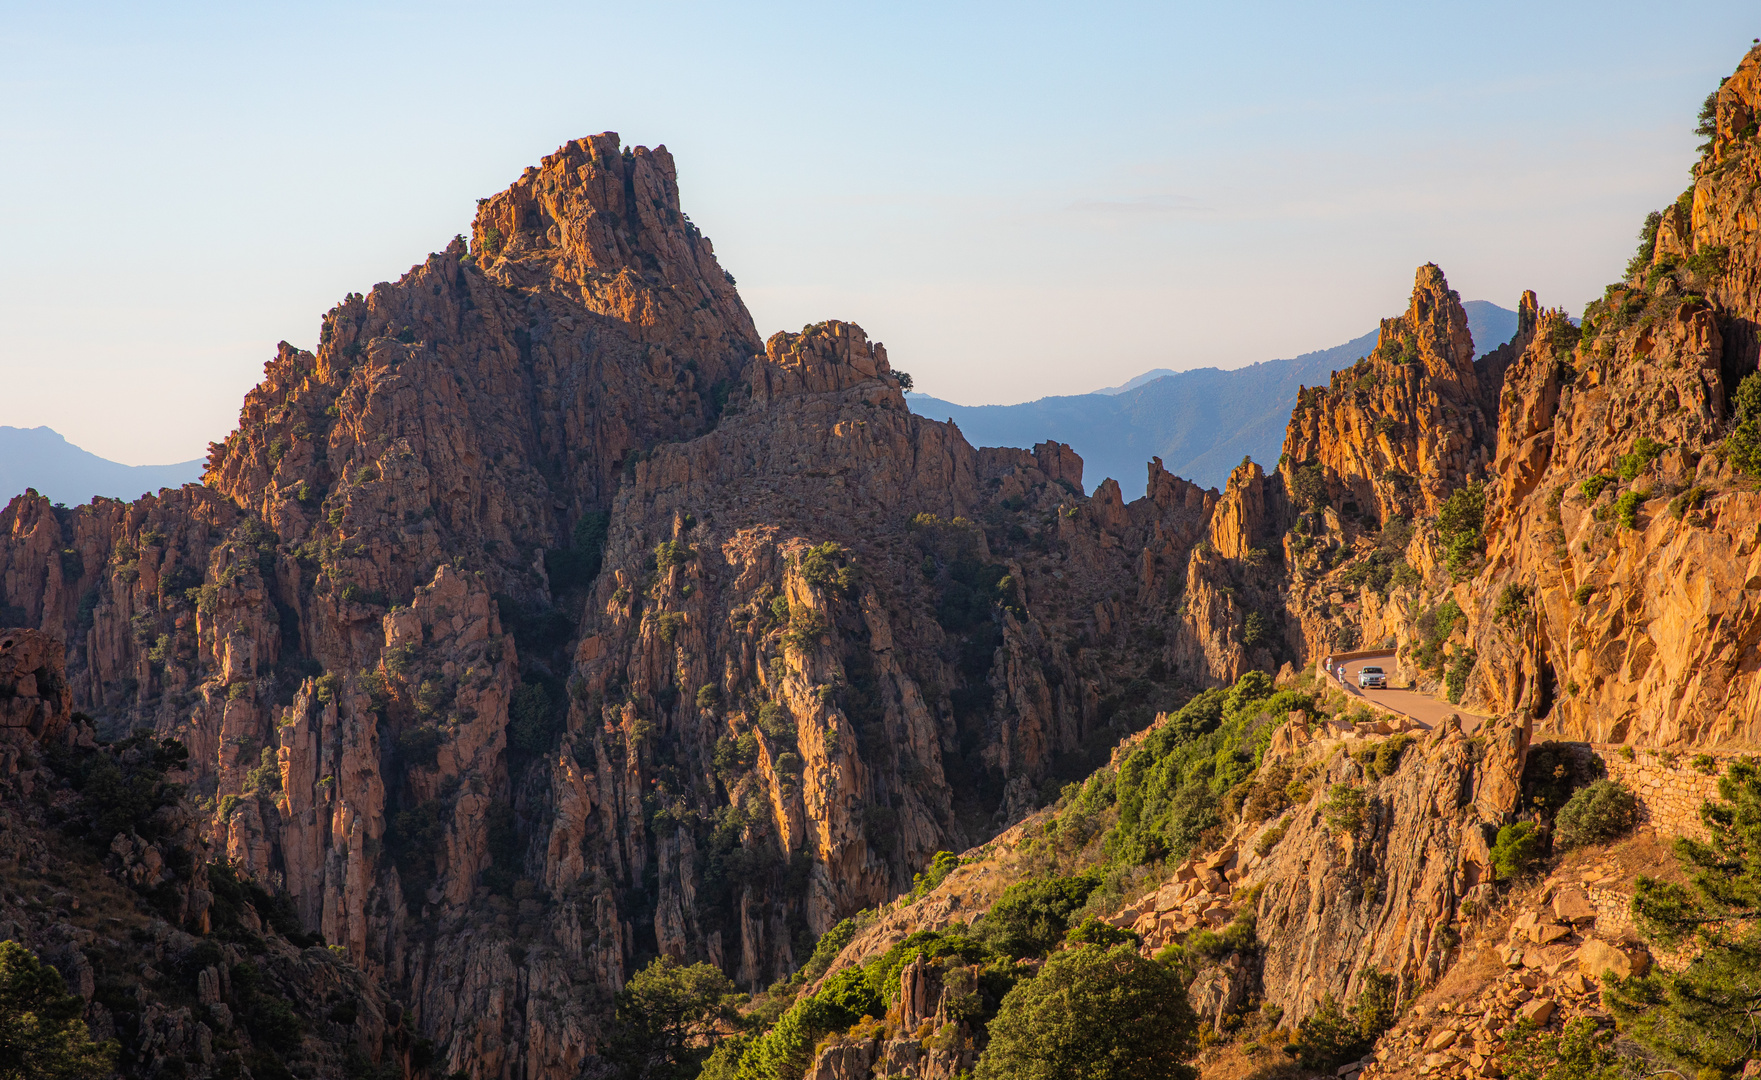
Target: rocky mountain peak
point(825, 358)
point(1436, 325)
point(1394, 433)
point(603, 222)
point(1738, 105)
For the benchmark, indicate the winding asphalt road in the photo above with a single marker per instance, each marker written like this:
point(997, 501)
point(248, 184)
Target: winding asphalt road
point(1424, 708)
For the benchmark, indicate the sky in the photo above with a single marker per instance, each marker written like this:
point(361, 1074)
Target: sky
point(1018, 199)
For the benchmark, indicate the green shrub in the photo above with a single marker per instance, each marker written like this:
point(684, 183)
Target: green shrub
point(41, 1030)
point(1332, 1036)
point(1461, 665)
point(265, 779)
point(1459, 523)
point(1742, 447)
point(420, 745)
point(709, 696)
point(1309, 483)
point(1095, 1013)
point(1708, 260)
point(1645, 450)
point(670, 553)
point(1388, 754)
point(785, 1051)
point(940, 866)
point(1596, 814)
point(1092, 931)
point(491, 242)
point(1344, 808)
point(1626, 508)
point(1593, 486)
point(1647, 244)
point(1582, 1051)
point(820, 567)
point(1253, 631)
point(827, 948)
point(1516, 851)
point(1269, 839)
point(668, 624)
point(1032, 916)
point(806, 627)
point(1582, 593)
point(1513, 603)
point(1687, 502)
point(1705, 764)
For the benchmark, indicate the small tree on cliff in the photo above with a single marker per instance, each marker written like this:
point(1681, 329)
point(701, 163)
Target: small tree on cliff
point(1709, 1015)
point(1098, 1013)
point(41, 1034)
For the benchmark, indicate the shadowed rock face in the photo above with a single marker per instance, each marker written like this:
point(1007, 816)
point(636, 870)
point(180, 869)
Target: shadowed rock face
point(34, 699)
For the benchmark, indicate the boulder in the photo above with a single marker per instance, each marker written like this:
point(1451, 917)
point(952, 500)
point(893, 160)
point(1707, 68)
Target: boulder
point(1572, 905)
point(1597, 957)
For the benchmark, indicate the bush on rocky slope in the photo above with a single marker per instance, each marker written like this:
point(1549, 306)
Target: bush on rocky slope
point(1596, 814)
point(1102, 1013)
point(1171, 789)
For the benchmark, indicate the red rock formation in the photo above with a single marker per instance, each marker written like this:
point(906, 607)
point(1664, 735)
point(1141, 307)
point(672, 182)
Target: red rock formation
point(829, 638)
point(1397, 431)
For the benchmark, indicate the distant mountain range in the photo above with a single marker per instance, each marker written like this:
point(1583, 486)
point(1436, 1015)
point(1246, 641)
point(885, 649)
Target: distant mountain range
point(40, 458)
point(1201, 422)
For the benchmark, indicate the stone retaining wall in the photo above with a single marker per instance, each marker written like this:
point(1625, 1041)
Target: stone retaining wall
point(1669, 784)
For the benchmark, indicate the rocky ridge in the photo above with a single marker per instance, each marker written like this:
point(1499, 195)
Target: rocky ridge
point(543, 620)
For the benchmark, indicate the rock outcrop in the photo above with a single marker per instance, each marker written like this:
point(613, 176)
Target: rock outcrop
point(1616, 601)
point(543, 619)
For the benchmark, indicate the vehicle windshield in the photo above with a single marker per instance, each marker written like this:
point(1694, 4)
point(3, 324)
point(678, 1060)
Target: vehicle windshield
point(1372, 671)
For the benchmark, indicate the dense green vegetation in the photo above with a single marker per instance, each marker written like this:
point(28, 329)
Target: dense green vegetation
point(1032, 917)
point(1170, 790)
point(1743, 445)
point(121, 786)
point(1582, 1051)
point(1333, 1035)
point(1094, 1012)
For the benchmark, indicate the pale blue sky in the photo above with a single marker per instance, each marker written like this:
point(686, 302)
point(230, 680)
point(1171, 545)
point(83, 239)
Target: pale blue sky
point(1018, 199)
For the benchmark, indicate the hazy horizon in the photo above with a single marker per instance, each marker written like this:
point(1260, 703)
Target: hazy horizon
point(1020, 202)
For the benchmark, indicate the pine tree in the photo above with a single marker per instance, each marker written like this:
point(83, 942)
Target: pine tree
point(1709, 1015)
point(41, 1034)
